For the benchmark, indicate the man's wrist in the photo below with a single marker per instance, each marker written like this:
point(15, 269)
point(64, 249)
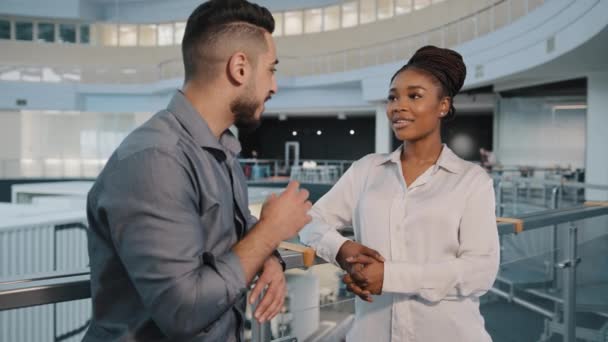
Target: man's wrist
point(277, 256)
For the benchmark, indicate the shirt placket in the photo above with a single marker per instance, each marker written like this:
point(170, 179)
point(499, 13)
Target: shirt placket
point(400, 313)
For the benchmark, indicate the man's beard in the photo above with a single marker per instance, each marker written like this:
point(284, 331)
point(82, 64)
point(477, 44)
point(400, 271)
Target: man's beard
point(244, 113)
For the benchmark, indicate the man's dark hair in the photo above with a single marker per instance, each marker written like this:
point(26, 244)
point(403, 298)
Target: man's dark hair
point(214, 25)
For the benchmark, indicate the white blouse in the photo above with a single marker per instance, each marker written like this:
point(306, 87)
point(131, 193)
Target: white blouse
point(439, 239)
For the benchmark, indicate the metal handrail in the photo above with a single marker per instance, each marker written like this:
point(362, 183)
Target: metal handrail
point(55, 287)
point(562, 183)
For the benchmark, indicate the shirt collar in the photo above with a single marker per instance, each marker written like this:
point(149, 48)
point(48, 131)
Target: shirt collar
point(198, 128)
point(448, 160)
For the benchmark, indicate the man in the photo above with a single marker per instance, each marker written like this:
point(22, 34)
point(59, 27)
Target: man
point(172, 244)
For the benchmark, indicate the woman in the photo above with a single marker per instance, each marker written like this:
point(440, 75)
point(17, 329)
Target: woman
point(429, 213)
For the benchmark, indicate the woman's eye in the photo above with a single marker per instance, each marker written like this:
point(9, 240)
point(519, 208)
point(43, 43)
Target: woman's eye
point(415, 96)
point(391, 98)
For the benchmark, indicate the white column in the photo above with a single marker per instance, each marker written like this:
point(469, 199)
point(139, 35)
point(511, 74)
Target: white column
point(383, 130)
point(596, 168)
point(10, 145)
point(234, 131)
point(140, 118)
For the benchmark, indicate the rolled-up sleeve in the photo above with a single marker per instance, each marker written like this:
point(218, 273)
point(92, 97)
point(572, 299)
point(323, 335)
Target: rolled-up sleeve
point(151, 208)
point(471, 272)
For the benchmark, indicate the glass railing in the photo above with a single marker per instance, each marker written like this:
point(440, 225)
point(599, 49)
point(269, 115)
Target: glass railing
point(326, 171)
point(521, 195)
point(287, 23)
point(491, 18)
point(552, 284)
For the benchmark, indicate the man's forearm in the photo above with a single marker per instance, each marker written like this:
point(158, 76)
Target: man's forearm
point(254, 249)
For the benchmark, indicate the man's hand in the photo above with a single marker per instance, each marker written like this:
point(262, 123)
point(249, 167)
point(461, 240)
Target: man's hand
point(282, 217)
point(273, 277)
point(351, 249)
point(366, 273)
point(287, 213)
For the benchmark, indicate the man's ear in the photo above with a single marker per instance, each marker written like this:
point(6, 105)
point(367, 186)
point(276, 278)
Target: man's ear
point(238, 68)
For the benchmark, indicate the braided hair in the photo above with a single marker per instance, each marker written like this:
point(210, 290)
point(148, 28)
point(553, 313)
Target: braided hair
point(445, 66)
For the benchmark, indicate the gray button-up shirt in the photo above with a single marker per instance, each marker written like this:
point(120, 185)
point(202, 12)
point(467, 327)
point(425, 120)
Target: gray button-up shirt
point(162, 226)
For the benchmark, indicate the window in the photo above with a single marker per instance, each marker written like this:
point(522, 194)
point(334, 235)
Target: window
point(180, 28)
point(147, 35)
point(293, 23)
point(5, 29)
point(127, 35)
point(109, 34)
point(278, 24)
point(331, 18)
point(85, 34)
point(349, 14)
point(46, 32)
point(165, 34)
point(24, 31)
point(403, 6)
point(313, 20)
point(67, 33)
point(385, 9)
point(368, 11)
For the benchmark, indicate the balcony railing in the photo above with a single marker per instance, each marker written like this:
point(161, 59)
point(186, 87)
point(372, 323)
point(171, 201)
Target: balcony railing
point(489, 19)
point(516, 282)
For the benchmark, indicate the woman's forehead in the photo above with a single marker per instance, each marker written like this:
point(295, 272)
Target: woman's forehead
point(412, 78)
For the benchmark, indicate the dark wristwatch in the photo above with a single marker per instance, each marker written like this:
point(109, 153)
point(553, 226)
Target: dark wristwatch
point(280, 259)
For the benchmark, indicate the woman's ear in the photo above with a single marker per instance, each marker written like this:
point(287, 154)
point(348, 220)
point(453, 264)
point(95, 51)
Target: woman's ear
point(445, 105)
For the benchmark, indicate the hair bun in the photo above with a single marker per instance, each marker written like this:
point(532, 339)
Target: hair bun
point(445, 64)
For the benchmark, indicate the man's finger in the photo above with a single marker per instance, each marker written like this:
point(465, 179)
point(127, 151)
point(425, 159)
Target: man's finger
point(303, 195)
point(292, 187)
point(277, 309)
point(273, 308)
point(266, 301)
point(257, 290)
point(308, 205)
point(280, 291)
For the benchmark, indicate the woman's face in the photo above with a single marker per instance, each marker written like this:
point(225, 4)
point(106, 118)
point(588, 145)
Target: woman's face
point(415, 105)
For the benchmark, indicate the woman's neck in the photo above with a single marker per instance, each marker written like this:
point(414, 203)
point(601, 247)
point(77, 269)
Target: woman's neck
point(425, 151)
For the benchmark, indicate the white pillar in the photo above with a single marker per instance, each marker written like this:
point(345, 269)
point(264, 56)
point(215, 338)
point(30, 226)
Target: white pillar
point(383, 130)
point(596, 159)
point(234, 131)
point(140, 117)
